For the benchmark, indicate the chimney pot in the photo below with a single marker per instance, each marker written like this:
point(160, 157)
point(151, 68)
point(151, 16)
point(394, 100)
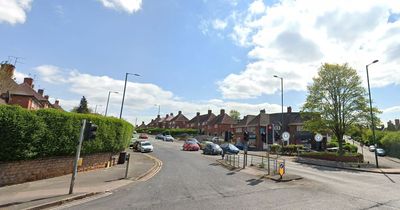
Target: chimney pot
point(158, 116)
point(46, 97)
point(289, 109)
point(222, 111)
point(41, 91)
point(57, 102)
point(28, 81)
point(262, 111)
point(198, 113)
point(172, 114)
point(8, 68)
point(180, 112)
point(209, 111)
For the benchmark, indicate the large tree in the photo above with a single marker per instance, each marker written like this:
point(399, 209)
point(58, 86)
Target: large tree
point(336, 100)
point(235, 115)
point(83, 107)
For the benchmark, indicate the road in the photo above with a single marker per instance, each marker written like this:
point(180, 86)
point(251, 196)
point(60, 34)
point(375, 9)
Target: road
point(190, 180)
point(384, 162)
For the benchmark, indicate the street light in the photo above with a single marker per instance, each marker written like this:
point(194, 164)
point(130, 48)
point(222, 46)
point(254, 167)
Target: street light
point(283, 127)
point(95, 109)
point(108, 100)
point(372, 116)
point(123, 95)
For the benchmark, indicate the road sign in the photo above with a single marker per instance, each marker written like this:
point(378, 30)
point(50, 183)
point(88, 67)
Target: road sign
point(281, 169)
point(318, 137)
point(285, 136)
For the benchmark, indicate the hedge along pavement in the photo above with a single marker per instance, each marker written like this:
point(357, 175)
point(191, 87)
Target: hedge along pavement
point(26, 134)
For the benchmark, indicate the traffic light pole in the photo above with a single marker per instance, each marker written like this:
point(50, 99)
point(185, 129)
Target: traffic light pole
point(78, 152)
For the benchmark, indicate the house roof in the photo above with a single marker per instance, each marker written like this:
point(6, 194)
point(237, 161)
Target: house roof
point(56, 106)
point(261, 119)
point(202, 118)
point(180, 117)
point(222, 119)
point(245, 121)
point(169, 118)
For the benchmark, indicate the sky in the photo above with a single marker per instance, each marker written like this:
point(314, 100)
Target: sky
point(199, 54)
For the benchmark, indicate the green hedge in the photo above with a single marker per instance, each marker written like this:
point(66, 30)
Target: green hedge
point(391, 143)
point(28, 134)
point(170, 131)
point(334, 156)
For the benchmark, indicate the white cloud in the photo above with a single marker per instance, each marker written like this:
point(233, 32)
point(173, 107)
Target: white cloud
point(14, 11)
point(394, 109)
point(140, 97)
point(219, 24)
point(293, 38)
point(129, 6)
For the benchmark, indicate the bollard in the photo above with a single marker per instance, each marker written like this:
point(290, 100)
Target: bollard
point(127, 165)
point(251, 161)
point(268, 164)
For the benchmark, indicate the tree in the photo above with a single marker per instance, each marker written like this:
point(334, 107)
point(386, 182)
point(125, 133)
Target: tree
point(234, 114)
point(337, 101)
point(83, 107)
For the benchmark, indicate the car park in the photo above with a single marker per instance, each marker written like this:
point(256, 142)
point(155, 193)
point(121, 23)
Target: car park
point(204, 143)
point(190, 146)
point(212, 149)
point(145, 146)
point(380, 152)
point(229, 148)
point(169, 138)
point(160, 136)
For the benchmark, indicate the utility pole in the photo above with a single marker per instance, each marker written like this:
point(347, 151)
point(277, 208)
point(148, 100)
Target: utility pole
point(78, 152)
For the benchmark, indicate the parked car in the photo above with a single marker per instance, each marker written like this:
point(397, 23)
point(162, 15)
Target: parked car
point(145, 146)
point(143, 136)
point(229, 148)
point(135, 145)
point(371, 148)
point(239, 145)
point(160, 136)
point(380, 152)
point(215, 139)
point(191, 146)
point(169, 138)
point(204, 143)
point(193, 140)
point(212, 149)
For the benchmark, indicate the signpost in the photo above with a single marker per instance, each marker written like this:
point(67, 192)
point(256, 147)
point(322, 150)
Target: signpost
point(286, 136)
point(318, 137)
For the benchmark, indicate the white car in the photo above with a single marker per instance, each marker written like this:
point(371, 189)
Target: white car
point(169, 138)
point(145, 146)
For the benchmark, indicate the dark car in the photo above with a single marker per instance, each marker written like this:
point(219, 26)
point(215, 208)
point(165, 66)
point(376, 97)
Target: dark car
point(160, 136)
point(212, 149)
point(229, 148)
point(239, 145)
point(380, 152)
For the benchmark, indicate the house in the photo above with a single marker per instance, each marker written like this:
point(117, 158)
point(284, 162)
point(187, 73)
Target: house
point(22, 94)
point(142, 126)
point(168, 120)
point(200, 122)
point(221, 124)
point(241, 126)
point(179, 121)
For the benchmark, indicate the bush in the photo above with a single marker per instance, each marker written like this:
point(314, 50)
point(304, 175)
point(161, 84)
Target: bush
point(291, 149)
point(332, 144)
point(350, 148)
point(275, 148)
point(391, 143)
point(28, 134)
point(334, 156)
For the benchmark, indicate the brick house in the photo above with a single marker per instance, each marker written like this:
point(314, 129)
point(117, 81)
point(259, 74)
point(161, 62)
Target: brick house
point(220, 124)
point(241, 126)
point(179, 121)
point(22, 94)
point(142, 126)
point(200, 122)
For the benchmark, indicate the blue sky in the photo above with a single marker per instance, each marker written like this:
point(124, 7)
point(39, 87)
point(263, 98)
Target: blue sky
point(199, 54)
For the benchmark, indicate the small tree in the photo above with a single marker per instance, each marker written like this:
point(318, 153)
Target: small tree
point(83, 107)
point(234, 114)
point(337, 100)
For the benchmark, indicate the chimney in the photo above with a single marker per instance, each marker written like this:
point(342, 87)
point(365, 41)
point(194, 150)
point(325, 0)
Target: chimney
point(222, 111)
point(158, 116)
point(40, 91)
point(46, 97)
point(166, 116)
point(262, 111)
point(28, 81)
point(180, 112)
point(172, 114)
point(8, 68)
point(57, 102)
point(198, 114)
point(289, 109)
point(209, 111)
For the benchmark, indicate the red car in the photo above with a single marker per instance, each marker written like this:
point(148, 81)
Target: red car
point(191, 146)
point(143, 136)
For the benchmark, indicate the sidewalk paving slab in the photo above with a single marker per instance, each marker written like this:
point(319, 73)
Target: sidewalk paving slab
point(53, 190)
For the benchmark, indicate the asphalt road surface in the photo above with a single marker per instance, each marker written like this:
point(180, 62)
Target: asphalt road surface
point(190, 180)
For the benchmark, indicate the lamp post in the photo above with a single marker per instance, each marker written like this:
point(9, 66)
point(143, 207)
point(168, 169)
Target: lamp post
point(95, 109)
point(123, 95)
point(372, 116)
point(108, 100)
point(158, 108)
point(283, 127)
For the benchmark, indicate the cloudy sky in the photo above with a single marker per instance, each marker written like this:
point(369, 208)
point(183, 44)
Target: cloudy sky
point(199, 54)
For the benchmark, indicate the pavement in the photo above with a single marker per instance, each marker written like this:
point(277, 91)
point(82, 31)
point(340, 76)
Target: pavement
point(54, 191)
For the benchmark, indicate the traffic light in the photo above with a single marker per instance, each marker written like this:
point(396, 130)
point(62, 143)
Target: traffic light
point(270, 135)
point(90, 131)
point(246, 136)
point(264, 137)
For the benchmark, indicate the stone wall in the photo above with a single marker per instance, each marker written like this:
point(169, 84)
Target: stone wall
point(30, 170)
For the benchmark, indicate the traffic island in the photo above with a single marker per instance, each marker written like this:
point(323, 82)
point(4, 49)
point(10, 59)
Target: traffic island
point(284, 178)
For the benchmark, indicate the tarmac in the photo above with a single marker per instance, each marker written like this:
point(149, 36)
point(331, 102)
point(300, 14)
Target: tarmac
point(52, 192)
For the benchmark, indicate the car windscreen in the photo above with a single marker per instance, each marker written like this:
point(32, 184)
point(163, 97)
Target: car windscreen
point(145, 144)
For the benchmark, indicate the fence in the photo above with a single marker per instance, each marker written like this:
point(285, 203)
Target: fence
point(267, 162)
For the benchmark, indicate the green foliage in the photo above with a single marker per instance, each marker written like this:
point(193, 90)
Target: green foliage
point(332, 144)
point(169, 131)
point(83, 107)
point(28, 134)
point(339, 98)
point(350, 148)
point(275, 148)
point(291, 149)
point(235, 114)
point(391, 143)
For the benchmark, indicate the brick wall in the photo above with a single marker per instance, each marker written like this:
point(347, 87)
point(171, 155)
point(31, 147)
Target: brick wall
point(29, 170)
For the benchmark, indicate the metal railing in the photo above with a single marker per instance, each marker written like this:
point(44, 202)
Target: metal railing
point(268, 162)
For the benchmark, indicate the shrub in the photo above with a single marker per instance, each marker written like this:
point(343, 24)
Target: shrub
point(391, 143)
point(291, 149)
point(334, 156)
point(275, 148)
point(28, 134)
point(332, 144)
point(350, 148)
